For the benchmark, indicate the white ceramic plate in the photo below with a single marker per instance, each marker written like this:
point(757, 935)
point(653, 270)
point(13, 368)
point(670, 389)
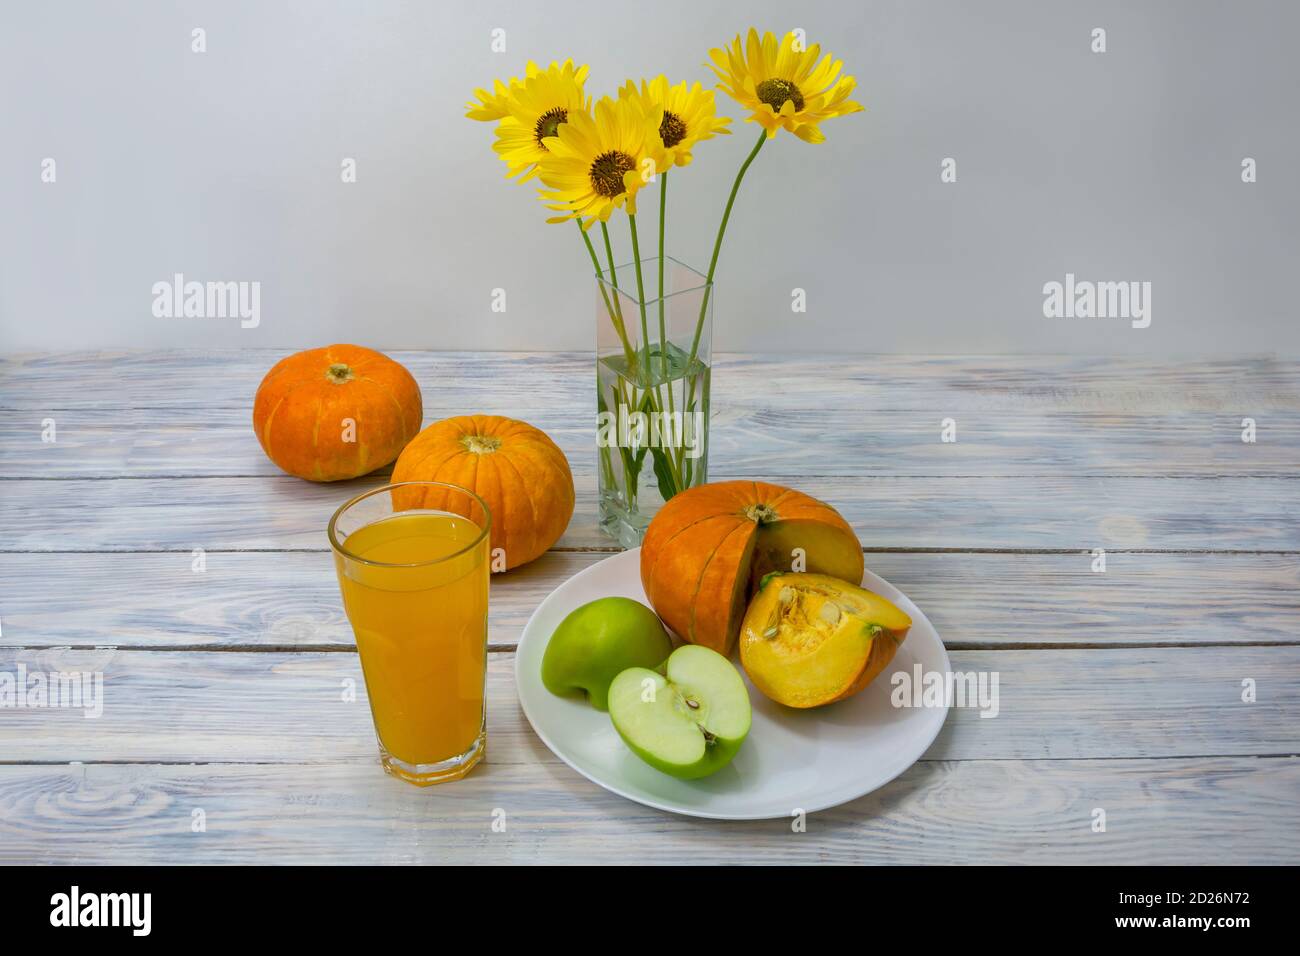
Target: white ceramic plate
point(792, 759)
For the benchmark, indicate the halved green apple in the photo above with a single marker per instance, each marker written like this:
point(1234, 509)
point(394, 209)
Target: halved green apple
point(688, 721)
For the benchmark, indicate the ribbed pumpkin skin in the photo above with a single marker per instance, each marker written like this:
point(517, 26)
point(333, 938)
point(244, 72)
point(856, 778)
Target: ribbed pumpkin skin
point(515, 468)
point(702, 550)
point(301, 405)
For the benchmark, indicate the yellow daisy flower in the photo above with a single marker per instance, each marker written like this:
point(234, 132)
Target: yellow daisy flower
point(688, 115)
point(594, 165)
point(536, 108)
point(494, 105)
point(786, 88)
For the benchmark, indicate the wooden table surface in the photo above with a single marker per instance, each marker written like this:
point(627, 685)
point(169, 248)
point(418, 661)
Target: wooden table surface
point(225, 736)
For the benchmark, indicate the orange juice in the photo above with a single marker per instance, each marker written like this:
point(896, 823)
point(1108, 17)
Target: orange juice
point(415, 587)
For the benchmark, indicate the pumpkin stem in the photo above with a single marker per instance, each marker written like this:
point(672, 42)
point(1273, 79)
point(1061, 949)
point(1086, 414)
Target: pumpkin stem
point(480, 444)
point(338, 373)
point(760, 513)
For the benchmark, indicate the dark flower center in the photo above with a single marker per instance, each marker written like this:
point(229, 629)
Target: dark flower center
point(775, 93)
point(607, 172)
point(548, 123)
point(672, 130)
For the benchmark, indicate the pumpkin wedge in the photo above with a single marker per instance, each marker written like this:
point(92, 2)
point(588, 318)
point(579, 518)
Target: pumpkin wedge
point(810, 639)
point(708, 548)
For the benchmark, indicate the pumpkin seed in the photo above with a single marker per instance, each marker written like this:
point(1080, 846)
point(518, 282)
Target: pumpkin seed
point(830, 613)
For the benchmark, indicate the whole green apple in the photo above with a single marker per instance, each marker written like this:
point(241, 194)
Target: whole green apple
point(598, 641)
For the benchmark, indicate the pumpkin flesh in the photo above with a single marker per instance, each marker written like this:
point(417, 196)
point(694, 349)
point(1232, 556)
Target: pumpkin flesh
point(707, 548)
point(810, 639)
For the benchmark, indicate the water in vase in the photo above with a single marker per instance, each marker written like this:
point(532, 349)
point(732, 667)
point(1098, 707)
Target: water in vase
point(651, 434)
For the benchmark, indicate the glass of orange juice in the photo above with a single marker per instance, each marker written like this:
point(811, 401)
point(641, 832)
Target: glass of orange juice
point(413, 565)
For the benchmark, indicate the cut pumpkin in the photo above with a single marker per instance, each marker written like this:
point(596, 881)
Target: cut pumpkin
point(708, 548)
point(810, 639)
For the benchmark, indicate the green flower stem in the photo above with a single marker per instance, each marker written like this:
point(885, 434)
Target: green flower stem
point(645, 339)
point(663, 337)
point(619, 392)
point(634, 363)
point(615, 320)
point(609, 254)
point(713, 263)
point(640, 294)
point(613, 273)
point(717, 243)
point(678, 450)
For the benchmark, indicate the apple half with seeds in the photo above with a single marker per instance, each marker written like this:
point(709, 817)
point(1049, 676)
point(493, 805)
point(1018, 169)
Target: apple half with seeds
point(688, 721)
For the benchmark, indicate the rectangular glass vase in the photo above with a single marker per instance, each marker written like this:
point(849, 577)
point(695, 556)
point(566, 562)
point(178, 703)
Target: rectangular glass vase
point(653, 354)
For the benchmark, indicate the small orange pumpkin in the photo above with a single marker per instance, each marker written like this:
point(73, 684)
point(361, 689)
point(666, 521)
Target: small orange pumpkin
point(515, 468)
point(336, 413)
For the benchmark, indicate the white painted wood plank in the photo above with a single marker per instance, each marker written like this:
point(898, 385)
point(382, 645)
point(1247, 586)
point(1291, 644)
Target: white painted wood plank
point(981, 795)
point(190, 706)
point(291, 600)
point(773, 414)
point(1191, 812)
point(750, 434)
point(198, 443)
point(488, 380)
point(284, 600)
point(888, 513)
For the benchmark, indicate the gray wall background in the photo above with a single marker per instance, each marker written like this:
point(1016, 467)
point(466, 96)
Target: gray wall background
point(225, 166)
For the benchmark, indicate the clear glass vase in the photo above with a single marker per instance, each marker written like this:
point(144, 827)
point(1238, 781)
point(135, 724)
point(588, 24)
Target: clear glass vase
point(652, 390)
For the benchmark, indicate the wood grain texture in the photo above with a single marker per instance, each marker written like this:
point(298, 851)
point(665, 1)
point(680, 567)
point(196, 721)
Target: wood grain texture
point(1183, 811)
point(291, 707)
point(180, 379)
point(751, 433)
point(249, 599)
point(242, 599)
point(888, 513)
point(158, 414)
point(1118, 690)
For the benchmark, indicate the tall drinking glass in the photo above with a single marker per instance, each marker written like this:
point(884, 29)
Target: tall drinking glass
point(413, 565)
